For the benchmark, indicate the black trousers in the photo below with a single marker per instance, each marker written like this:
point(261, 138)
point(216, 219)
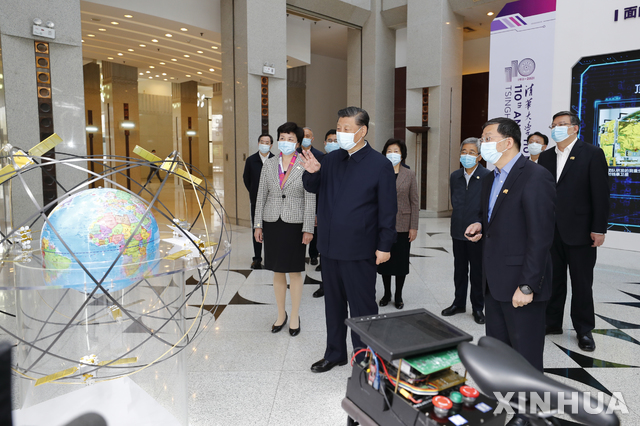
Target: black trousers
point(465, 254)
point(581, 260)
point(349, 283)
point(521, 328)
point(257, 247)
point(313, 245)
point(153, 171)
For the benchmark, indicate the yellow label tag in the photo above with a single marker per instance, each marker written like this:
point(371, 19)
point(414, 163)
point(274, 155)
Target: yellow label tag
point(177, 255)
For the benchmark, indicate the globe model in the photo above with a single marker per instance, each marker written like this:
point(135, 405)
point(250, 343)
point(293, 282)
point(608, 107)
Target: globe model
point(97, 225)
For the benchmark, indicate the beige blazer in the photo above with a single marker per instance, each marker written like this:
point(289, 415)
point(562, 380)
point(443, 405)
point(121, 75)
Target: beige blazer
point(408, 209)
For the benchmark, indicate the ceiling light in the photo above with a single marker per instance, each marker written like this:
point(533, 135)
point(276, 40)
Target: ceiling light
point(142, 45)
point(141, 73)
point(120, 54)
point(93, 19)
point(199, 51)
point(168, 35)
point(188, 75)
point(164, 73)
point(83, 40)
point(109, 57)
point(162, 63)
point(214, 47)
point(91, 35)
point(186, 56)
point(150, 77)
point(199, 72)
point(183, 29)
point(130, 50)
point(171, 78)
point(211, 69)
point(128, 16)
point(489, 13)
point(165, 79)
point(154, 40)
point(148, 72)
point(115, 23)
point(174, 60)
point(151, 66)
point(102, 29)
point(157, 75)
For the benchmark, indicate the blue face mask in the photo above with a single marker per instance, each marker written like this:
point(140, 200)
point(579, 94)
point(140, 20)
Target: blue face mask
point(468, 161)
point(331, 146)
point(560, 133)
point(394, 158)
point(264, 148)
point(489, 151)
point(306, 142)
point(535, 148)
point(286, 147)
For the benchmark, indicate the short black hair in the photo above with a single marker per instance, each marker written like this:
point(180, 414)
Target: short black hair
point(507, 128)
point(330, 132)
point(546, 139)
point(265, 134)
point(291, 127)
point(400, 143)
point(361, 116)
point(573, 117)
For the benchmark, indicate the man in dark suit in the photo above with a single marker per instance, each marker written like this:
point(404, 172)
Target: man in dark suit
point(251, 178)
point(357, 205)
point(465, 186)
point(517, 208)
point(306, 145)
point(582, 214)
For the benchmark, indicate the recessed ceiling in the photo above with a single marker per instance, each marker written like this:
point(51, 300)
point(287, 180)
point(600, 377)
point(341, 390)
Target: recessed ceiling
point(152, 44)
point(329, 39)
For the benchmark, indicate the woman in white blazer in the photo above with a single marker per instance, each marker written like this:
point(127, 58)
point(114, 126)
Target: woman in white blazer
point(284, 220)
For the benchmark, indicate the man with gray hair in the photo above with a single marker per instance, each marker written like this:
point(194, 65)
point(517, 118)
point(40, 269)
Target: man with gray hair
point(465, 199)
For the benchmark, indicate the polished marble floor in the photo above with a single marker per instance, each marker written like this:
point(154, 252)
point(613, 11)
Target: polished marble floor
point(239, 373)
point(242, 374)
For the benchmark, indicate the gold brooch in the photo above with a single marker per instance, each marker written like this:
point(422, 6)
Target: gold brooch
point(506, 191)
point(572, 158)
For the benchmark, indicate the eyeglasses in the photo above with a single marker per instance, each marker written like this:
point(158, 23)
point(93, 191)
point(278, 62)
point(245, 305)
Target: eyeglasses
point(561, 124)
point(488, 139)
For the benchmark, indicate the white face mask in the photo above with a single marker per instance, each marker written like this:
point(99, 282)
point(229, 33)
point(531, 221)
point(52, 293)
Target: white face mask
point(264, 148)
point(306, 142)
point(535, 148)
point(394, 158)
point(346, 140)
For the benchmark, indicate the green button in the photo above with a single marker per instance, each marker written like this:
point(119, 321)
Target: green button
point(455, 397)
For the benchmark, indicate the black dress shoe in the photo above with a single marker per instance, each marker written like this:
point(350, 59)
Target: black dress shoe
point(314, 261)
point(399, 304)
point(319, 267)
point(478, 317)
point(452, 310)
point(552, 330)
point(276, 328)
point(256, 265)
point(518, 421)
point(323, 365)
point(295, 331)
point(384, 301)
point(586, 343)
point(319, 292)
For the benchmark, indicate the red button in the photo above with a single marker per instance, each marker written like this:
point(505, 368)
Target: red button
point(469, 392)
point(443, 402)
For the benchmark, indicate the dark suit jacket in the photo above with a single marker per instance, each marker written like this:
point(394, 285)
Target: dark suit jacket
point(518, 237)
point(583, 192)
point(465, 200)
point(251, 175)
point(357, 204)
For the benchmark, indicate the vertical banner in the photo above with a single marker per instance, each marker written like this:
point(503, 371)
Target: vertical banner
point(521, 65)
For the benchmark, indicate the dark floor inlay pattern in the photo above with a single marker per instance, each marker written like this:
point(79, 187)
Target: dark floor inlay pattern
point(436, 248)
point(617, 334)
point(417, 255)
point(191, 281)
point(431, 234)
point(579, 375)
point(585, 361)
point(239, 300)
point(309, 280)
point(620, 324)
point(216, 310)
point(245, 272)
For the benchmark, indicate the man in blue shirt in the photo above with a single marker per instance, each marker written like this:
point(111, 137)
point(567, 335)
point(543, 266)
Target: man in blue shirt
point(517, 226)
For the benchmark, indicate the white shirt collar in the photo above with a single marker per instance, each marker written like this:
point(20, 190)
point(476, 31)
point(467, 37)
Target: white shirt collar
point(351, 153)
